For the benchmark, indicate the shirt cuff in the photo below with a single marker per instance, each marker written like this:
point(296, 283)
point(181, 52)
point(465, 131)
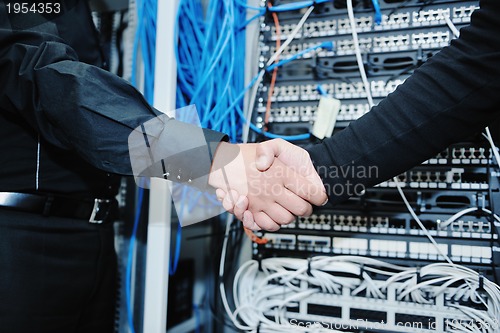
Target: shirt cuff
point(167, 148)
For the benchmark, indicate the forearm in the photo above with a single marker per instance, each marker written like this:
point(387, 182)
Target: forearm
point(80, 107)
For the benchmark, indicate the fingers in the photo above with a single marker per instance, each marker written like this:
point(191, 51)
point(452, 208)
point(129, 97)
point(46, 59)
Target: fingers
point(266, 152)
point(229, 200)
point(248, 221)
point(279, 214)
point(240, 207)
point(220, 194)
point(294, 204)
point(265, 222)
point(236, 207)
point(305, 189)
point(296, 183)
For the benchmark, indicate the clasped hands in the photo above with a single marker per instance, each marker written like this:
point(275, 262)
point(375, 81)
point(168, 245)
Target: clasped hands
point(266, 185)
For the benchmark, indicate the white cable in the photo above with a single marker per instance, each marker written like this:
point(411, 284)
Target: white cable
point(257, 303)
point(492, 144)
point(291, 36)
point(37, 175)
point(357, 50)
point(253, 93)
point(466, 211)
point(456, 216)
point(424, 229)
point(426, 232)
point(229, 222)
point(452, 26)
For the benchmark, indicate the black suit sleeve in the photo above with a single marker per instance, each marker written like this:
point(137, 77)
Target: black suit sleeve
point(77, 106)
point(453, 95)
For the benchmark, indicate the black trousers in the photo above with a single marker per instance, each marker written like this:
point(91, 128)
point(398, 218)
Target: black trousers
point(56, 275)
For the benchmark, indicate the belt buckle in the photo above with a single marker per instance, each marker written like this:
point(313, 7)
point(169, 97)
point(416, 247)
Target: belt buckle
point(99, 205)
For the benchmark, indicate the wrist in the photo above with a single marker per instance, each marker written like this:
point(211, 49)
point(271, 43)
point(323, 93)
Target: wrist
point(223, 155)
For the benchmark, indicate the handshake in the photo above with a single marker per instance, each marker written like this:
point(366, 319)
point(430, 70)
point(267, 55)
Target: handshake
point(267, 184)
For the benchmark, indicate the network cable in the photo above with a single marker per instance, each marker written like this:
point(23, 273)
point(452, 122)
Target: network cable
point(201, 67)
point(262, 290)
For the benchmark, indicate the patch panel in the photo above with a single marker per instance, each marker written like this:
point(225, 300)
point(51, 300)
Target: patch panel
point(410, 247)
point(363, 24)
point(371, 43)
point(466, 227)
point(387, 311)
point(470, 226)
point(470, 155)
point(314, 243)
point(426, 251)
point(381, 88)
point(349, 112)
point(430, 16)
point(400, 223)
point(307, 113)
point(285, 31)
point(350, 222)
point(440, 158)
point(310, 92)
point(320, 28)
point(388, 248)
point(346, 46)
point(314, 222)
point(345, 90)
point(349, 245)
point(436, 39)
point(292, 113)
point(304, 92)
point(394, 21)
point(463, 155)
point(286, 114)
point(292, 49)
point(286, 93)
point(413, 18)
point(468, 253)
point(456, 178)
point(462, 14)
point(391, 43)
point(280, 241)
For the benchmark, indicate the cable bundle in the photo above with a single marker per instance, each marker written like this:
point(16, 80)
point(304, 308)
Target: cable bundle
point(210, 57)
point(145, 38)
point(210, 53)
point(266, 289)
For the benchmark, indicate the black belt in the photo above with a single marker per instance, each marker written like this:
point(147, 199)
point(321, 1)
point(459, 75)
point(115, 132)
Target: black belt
point(94, 211)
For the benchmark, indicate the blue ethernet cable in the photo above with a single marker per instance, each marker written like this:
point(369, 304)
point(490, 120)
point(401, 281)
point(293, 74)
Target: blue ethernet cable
point(128, 271)
point(324, 45)
point(378, 12)
point(321, 90)
point(295, 5)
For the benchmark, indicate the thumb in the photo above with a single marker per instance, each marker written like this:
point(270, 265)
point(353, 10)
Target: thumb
point(266, 152)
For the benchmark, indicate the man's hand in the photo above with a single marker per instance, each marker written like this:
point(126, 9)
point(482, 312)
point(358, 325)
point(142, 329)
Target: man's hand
point(272, 197)
point(278, 152)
